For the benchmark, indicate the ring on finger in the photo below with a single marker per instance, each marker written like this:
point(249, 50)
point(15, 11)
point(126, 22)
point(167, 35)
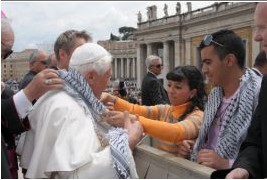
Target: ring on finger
point(48, 81)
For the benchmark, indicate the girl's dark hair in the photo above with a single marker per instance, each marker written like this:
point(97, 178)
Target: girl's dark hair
point(195, 81)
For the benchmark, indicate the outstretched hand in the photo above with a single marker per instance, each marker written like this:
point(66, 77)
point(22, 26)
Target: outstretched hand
point(185, 148)
point(117, 118)
point(44, 81)
point(106, 98)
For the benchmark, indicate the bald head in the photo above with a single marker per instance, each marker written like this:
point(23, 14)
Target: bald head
point(260, 19)
point(7, 38)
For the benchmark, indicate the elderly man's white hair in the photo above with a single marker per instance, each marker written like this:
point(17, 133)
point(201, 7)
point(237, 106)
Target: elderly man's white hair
point(150, 58)
point(89, 57)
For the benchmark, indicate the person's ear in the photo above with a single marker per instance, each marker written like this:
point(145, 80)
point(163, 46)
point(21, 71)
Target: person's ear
point(193, 93)
point(62, 54)
point(230, 60)
point(90, 77)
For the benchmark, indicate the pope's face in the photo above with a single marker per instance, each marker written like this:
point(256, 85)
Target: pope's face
point(100, 82)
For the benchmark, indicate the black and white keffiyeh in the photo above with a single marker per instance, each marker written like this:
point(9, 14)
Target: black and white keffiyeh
point(237, 117)
point(77, 87)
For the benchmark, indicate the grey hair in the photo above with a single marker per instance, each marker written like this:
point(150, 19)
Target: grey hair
point(150, 58)
point(67, 39)
point(100, 66)
point(33, 56)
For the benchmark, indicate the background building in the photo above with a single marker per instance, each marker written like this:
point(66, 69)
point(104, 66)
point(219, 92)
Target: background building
point(124, 64)
point(16, 65)
point(175, 38)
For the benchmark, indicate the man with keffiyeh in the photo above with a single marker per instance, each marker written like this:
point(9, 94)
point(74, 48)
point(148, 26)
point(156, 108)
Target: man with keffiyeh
point(70, 138)
point(231, 102)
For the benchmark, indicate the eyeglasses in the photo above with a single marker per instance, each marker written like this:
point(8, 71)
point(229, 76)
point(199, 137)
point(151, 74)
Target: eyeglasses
point(6, 52)
point(209, 39)
point(158, 66)
point(43, 62)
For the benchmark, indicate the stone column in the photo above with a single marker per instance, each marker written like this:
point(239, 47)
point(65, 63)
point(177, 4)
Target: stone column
point(138, 63)
point(116, 68)
point(122, 73)
point(166, 60)
point(149, 49)
point(134, 66)
point(128, 67)
point(177, 53)
point(188, 51)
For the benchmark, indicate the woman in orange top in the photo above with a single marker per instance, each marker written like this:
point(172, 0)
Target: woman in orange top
point(176, 122)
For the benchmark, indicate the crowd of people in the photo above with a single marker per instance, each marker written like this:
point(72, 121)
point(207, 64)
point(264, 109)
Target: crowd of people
point(73, 129)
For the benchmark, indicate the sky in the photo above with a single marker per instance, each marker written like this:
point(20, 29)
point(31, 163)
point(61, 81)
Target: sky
point(38, 24)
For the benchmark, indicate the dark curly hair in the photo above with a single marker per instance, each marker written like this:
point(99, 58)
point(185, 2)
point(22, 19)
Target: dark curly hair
point(195, 81)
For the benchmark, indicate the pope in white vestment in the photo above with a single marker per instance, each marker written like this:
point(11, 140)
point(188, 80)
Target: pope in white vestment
point(64, 142)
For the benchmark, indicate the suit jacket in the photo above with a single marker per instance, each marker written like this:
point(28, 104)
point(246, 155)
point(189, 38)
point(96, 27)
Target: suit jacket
point(10, 125)
point(252, 155)
point(27, 79)
point(9, 117)
point(153, 92)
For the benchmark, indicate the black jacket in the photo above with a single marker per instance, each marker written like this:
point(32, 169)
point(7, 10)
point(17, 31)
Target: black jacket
point(153, 92)
point(10, 124)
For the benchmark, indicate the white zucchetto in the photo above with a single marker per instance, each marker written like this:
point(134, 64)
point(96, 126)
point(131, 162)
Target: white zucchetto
point(88, 53)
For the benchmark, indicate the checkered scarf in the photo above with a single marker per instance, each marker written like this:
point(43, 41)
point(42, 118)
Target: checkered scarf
point(237, 117)
point(77, 87)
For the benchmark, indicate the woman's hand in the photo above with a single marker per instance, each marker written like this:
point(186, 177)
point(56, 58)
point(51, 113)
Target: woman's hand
point(106, 98)
point(117, 118)
point(185, 148)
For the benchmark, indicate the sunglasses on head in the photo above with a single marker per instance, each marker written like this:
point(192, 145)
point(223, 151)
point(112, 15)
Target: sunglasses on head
point(208, 39)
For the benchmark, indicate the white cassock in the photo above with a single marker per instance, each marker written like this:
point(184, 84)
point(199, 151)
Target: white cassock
point(63, 143)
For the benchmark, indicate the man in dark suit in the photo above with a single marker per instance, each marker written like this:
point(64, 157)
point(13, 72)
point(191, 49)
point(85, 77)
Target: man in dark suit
point(38, 61)
point(16, 107)
point(152, 89)
point(252, 158)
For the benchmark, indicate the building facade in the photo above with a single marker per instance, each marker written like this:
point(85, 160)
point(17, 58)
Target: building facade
point(175, 38)
point(124, 64)
point(16, 65)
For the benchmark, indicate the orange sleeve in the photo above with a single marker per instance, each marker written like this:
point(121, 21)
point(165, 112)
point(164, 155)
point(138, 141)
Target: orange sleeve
point(186, 129)
point(146, 111)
